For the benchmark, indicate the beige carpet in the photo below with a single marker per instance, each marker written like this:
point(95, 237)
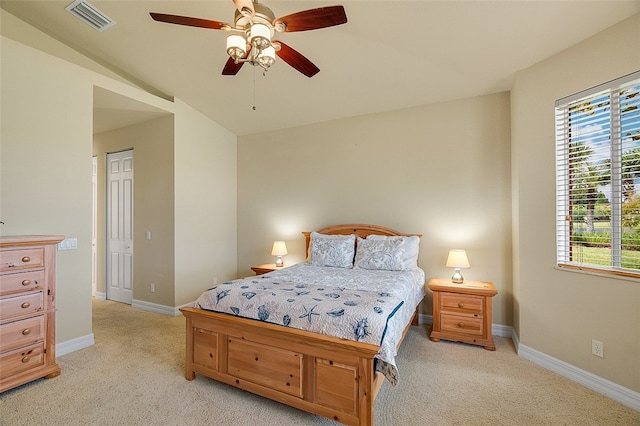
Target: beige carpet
point(133, 375)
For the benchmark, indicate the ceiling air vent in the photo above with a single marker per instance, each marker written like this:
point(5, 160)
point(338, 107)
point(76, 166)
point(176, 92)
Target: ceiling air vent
point(90, 15)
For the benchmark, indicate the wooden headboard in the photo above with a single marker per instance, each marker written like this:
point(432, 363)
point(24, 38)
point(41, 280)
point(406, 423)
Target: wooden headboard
point(360, 229)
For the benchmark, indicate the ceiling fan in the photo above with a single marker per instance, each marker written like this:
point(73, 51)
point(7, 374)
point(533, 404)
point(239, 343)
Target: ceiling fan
point(253, 30)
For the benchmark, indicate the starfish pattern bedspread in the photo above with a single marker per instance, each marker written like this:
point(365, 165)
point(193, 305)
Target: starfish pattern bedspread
point(356, 304)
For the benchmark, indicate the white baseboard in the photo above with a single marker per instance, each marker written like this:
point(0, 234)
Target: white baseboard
point(73, 345)
point(425, 319)
point(598, 384)
point(150, 307)
point(154, 307)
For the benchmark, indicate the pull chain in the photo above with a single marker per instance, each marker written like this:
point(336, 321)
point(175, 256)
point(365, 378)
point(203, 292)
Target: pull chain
point(254, 89)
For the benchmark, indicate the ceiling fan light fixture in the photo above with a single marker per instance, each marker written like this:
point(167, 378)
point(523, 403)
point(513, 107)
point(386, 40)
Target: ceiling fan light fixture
point(236, 46)
point(257, 25)
point(260, 36)
point(267, 57)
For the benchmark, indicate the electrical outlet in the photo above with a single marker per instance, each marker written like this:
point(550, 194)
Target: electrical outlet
point(215, 280)
point(152, 288)
point(597, 348)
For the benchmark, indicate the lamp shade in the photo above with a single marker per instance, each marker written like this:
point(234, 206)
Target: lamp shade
point(279, 249)
point(260, 36)
point(458, 259)
point(236, 46)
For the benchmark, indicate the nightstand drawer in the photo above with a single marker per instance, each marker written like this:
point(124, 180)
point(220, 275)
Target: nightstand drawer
point(462, 304)
point(462, 324)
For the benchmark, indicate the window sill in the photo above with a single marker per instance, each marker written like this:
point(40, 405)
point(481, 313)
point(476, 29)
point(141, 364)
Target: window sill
point(620, 275)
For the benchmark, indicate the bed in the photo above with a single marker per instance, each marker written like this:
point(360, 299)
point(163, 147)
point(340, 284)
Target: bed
point(311, 369)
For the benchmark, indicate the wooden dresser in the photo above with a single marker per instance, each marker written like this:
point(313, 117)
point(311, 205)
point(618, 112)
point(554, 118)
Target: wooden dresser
point(462, 312)
point(27, 309)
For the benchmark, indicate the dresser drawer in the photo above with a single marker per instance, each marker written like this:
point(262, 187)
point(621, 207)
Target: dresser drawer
point(19, 333)
point(462, 304)
point(23, 281)
point(461, 324)
point(21, 305)
point(22, 359)
point(13, 260)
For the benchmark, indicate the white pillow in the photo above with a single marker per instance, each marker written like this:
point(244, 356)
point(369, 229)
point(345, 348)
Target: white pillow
point(380, 254)
point(332, 250)
point(411, 248)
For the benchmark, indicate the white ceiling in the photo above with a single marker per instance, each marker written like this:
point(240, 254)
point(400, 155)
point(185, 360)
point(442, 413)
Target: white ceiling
point(389, 55)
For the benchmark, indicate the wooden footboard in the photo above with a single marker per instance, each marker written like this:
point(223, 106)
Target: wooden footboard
point(319, 374)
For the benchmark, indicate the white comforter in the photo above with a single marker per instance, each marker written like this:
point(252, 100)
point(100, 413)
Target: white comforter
point(371, 306)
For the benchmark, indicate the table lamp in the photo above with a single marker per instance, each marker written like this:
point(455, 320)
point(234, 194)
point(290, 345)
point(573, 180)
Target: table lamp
point(457, 259)
point(279, 249)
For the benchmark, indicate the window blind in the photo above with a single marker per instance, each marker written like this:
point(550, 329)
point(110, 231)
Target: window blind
point(598, 177)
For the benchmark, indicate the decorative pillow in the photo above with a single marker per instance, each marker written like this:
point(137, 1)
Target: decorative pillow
point(411, 248)
point(332, 250)
point(380, 254)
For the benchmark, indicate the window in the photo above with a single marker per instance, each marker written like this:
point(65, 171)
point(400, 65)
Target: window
point(598, 178)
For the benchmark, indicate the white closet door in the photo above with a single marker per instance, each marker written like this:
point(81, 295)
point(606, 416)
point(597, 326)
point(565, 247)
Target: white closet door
point(120, 226)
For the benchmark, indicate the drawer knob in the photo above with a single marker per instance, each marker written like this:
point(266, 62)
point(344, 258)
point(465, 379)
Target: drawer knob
point(26, 331)
point(461, 324)
point(26, 259)
point(26, 359)
point(460, 305)
point(26, 282)
point(25, 305)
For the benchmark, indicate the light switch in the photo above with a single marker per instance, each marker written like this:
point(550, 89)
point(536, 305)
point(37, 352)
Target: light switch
point(68, 244)
point(148, 235)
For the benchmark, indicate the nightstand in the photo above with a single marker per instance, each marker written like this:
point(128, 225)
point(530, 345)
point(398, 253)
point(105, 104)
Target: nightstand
point(265, 267)
point(462, 312)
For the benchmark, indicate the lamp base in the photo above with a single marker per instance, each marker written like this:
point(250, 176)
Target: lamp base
point(279, 262)
point(457, 277)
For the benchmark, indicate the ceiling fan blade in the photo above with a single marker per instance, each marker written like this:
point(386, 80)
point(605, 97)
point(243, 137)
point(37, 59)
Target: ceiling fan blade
point(245, 7)
point(188, 21)
point(313, 19)
point(231, 68)
point(296, 60)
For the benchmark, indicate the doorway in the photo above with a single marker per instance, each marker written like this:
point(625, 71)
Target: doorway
point(94, 226)
point(120, 226)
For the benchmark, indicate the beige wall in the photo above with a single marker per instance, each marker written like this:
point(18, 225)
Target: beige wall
point(205, 204)
point(185, 195)
point(441, 170)
point(45, 178)
point(45, 147)
point(152, 144)
point(558, 312)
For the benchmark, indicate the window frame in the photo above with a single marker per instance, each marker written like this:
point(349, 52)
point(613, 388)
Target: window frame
point(564, 201)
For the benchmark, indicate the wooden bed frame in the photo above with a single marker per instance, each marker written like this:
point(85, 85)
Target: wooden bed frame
point(324, 375)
